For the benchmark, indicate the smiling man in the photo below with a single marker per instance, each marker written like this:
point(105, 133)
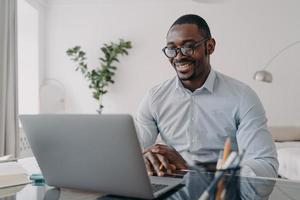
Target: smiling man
point(196, 111)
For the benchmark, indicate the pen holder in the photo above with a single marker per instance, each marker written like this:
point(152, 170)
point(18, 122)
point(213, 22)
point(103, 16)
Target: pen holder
point(228, 187)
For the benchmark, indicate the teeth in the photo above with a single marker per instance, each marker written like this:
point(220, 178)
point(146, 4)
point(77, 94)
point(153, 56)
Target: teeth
point(183, 66)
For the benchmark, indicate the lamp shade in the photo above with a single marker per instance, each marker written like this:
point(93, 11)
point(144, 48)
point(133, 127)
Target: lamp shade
point(263, 76)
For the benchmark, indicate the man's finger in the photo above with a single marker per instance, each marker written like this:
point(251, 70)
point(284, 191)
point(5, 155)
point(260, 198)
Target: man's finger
point(173, 167)
point(180, 165)
point(148, 167)
point(154, 162)
point(148, 149)
point(161, 149)
point(157, 150)
point(164, 163)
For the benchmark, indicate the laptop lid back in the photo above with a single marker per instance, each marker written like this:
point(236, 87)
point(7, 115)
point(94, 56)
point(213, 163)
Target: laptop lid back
point(92, 152)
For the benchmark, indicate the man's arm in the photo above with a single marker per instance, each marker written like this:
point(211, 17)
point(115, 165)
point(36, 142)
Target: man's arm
point(145, 122)
point(157, 157)
point(260, 158)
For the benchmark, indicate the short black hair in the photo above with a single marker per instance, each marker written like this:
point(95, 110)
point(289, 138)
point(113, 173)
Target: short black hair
point(194, 19)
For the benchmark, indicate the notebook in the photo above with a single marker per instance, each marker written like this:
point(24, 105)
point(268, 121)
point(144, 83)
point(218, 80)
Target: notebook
point(12, 174)
point(99, 153)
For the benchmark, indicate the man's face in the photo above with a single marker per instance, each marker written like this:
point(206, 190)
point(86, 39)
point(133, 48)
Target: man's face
point(188, 67)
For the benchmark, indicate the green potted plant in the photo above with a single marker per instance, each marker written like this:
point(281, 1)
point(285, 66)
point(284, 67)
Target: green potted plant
point(101, 77)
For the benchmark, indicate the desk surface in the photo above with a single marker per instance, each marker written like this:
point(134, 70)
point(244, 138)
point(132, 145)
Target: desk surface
point(195, 183)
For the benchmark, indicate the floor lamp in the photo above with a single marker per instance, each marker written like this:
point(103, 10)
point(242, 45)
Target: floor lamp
point(266, 76)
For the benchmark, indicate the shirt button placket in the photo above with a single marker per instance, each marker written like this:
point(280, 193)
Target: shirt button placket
point(192, 124)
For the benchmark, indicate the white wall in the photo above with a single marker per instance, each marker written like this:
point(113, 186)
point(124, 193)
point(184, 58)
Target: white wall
point(28, 58)
point(248, 33)
point(31, 53)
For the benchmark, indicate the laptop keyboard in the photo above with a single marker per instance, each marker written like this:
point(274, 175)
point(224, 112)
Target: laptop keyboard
point(157, 187)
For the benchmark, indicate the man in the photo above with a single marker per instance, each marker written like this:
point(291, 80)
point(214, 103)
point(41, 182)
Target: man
point(198, 109)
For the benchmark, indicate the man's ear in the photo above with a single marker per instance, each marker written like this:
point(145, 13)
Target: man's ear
point(210, 46)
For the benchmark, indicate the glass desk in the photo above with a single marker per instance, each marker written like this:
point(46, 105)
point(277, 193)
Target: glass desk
point(195, 182)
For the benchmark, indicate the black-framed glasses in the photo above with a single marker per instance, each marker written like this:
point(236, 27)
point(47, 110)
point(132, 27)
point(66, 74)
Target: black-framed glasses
point(186, 50)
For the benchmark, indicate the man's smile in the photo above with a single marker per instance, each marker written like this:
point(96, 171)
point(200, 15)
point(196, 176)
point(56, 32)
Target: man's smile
point(184, 67)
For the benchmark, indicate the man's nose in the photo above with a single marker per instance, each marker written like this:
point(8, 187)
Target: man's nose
point(179, 54)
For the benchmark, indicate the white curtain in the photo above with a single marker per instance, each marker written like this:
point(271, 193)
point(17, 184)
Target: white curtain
point(9, 131)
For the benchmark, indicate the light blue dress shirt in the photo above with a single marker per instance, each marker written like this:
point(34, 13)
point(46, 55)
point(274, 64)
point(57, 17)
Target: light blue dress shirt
point(197, 123)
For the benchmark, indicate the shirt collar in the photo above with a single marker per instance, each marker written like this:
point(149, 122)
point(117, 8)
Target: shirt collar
point(178, 84)
point(208, 84)
point(210, 81)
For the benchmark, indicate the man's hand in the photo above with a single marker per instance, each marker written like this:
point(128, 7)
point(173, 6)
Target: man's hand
point(159, 157)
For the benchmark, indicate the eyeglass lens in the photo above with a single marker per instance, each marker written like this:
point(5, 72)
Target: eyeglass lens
point(185, 50)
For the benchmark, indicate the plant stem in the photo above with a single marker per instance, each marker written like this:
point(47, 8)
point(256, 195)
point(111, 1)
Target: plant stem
point(100, 105)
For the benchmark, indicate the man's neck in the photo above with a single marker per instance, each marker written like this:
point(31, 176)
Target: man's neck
point(192, 85)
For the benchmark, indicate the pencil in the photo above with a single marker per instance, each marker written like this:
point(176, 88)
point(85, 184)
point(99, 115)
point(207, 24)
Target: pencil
point(227, 148)
point(226, 152)
point(220, 161)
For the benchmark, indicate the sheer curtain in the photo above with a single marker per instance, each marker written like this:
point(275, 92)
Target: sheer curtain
point(9, 131)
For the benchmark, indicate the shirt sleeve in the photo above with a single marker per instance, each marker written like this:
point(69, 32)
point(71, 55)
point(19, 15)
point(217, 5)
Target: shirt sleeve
point(260, 157)
point(145, 122)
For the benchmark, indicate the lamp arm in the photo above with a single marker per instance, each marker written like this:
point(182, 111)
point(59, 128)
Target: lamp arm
point(282, 50)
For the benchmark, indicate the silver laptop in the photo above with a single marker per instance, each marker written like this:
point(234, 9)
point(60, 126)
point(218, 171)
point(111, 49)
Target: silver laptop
point(93, 152)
